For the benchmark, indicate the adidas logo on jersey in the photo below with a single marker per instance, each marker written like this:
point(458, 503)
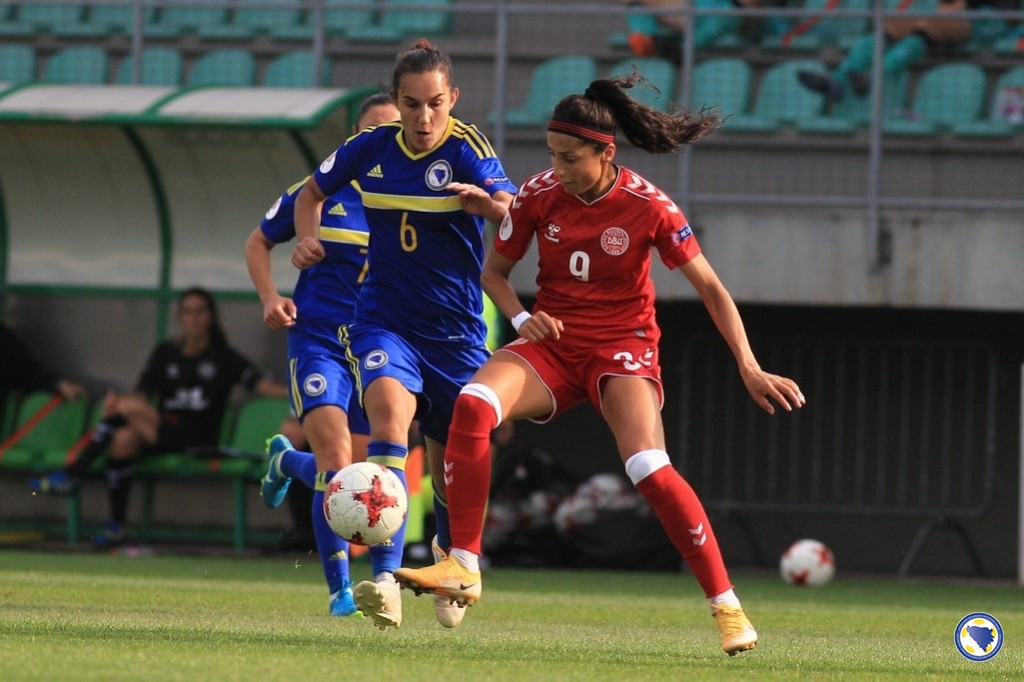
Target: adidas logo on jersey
point(337, 209)
point(375, 172)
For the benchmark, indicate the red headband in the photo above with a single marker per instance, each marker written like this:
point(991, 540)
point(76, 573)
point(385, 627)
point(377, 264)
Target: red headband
point(583, 132)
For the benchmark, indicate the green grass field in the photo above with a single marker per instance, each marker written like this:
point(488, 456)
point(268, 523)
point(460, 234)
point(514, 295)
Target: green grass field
point(78, 616)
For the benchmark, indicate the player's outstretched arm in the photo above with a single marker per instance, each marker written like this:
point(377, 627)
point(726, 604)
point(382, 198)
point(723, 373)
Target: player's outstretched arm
point(763, 387)
point(477, 201)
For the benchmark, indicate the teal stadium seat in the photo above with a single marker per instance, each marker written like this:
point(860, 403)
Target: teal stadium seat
point(36, 18)
point(1005, 109)
point(723, 84)
point(102, 20)
point(224, 68)
point(340, 17)
point(781, 101)
point(159, 66)
point(295, 70)
point(946, 94)
point(552, 80)
point(252, 18)
point(396, 22)
point(659, 72)
point(179, 17)
point(82, 64)
point(17, 64)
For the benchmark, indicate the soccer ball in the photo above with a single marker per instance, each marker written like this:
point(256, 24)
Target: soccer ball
point(366, 503)
point(807, 562)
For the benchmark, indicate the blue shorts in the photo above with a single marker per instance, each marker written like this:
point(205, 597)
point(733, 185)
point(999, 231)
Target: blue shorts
point(325, 380)
point(434, 371)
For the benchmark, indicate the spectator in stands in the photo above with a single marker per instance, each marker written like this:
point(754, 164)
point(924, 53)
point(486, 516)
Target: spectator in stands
point(907, 41)
point(324, 394)
point(178, 404)
point(593, 337)
point(660, 35)
point(21, 371)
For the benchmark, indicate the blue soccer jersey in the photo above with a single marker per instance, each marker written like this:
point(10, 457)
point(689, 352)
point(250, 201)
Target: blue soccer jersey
point(325, 294)
point(426, 253)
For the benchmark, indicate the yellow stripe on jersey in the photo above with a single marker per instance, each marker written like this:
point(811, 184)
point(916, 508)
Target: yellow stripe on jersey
point(296, 393)
point(342, 235)
point(474, 139)
point(398, 202)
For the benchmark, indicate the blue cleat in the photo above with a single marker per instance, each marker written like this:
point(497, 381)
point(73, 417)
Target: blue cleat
point(274, 484)
point(343, 604)
point(112, 535)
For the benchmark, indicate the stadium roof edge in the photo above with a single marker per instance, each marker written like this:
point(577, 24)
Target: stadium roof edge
point(297, 108)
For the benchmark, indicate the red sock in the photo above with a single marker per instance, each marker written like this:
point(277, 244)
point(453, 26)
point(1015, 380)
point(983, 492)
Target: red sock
point(467, 469)
point(684, 520)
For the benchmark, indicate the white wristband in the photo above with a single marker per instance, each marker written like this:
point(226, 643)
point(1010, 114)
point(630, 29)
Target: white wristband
point(519, 319)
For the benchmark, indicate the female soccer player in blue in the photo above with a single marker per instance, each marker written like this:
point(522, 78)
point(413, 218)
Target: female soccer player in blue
point(322, 391)
point(418, 333)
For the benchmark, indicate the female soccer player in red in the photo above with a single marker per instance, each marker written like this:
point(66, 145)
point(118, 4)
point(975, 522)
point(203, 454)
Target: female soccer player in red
point(592, 334)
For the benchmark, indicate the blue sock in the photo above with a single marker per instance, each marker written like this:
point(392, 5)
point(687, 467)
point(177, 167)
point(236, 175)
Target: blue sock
point(388, 556)
point(300, 465)
point(332, 547)
point(443, 529)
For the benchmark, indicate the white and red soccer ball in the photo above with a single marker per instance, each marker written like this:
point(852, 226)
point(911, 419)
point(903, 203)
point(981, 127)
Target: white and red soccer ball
point(807, 562)
point(366, 503)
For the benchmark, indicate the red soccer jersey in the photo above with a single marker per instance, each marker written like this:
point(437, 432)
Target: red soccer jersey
point(595, 258)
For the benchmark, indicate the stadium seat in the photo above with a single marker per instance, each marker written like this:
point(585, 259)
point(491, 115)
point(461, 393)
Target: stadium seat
point(17, 64)
point(781, 100)
point(1005, 109)
point(946, 95)
point(160, 66)
point(253, 18)
point(295, 70)
point(659, 72)
point(722, 84)
point(82, 64)
point(51, 438)
point(224, 67)
point(552, 80)
point(396, 22)
point(853, 112)
point(814, 31)
point(179, 17)
point(339, 19)
point(33, 18)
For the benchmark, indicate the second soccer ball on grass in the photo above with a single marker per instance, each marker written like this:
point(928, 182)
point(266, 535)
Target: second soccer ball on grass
point(807, 562)
point(365, 503)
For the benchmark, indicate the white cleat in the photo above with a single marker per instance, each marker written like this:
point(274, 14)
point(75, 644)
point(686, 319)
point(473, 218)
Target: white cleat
point(449, 614)
point(380, 600)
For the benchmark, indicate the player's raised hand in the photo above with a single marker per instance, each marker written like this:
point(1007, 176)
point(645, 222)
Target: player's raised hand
point(279, 313)
point(540, 326)
point(308, 252)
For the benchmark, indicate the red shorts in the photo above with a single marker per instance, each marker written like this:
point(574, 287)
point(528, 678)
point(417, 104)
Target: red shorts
point(572, 375)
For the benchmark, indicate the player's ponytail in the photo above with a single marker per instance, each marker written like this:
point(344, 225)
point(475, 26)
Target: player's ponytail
point(605, 106)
